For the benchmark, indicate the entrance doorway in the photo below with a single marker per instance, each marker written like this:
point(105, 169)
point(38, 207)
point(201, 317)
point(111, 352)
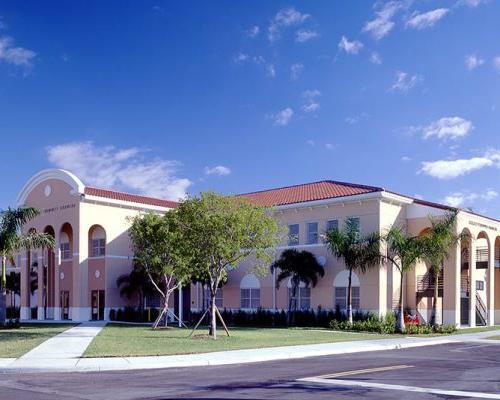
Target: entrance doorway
point(97, 298)
point(64, 304)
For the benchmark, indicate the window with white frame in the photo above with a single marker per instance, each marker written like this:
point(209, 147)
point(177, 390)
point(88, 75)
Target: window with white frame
point(65, 251)
point(249, 292)
point(293, 234)
point(357, 223)
point(98, 247)
point(332, 225)
point(206, 298)
point(303, 297)
point(312, 233)
point(341, 298)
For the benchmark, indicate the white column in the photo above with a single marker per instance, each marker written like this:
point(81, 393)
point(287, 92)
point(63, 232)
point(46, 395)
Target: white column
point(25, 311)
point(491, 285)
point(458, 278)
point(472, 288)
point(57, 290)
point(274, 289)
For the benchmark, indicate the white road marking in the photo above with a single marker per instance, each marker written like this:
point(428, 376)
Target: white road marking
point(365, 371)
point(374, 385)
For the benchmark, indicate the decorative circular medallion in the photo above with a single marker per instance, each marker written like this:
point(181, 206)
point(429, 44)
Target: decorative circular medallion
point(97, 274)
point(47, 190)
point(61, 275)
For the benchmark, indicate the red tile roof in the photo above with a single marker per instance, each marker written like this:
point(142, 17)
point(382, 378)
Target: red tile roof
point(308, 192)
point(134, 198)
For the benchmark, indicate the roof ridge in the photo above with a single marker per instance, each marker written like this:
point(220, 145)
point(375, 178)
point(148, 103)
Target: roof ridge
point(374, 188)
point(131, 194)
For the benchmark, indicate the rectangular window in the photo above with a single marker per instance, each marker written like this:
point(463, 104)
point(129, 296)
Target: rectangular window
point(479, 285)
point(312, 233)
point(303, 298)
point(293, 235)
point(218, 298)
point(98, 247)
point(250, 298)
point(341, 298)
point(332, 225)
point(65, 251)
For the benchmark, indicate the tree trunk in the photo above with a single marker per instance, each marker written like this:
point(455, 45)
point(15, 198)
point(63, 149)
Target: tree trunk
point(349, 298)
point(213, 316)
point(3, 294)
point(434, 320)
point(401, 319)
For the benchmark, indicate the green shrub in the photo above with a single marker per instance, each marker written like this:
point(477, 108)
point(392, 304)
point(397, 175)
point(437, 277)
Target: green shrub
point(447, 329)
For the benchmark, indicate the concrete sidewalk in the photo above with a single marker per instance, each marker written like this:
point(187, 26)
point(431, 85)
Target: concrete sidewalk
point(66, 348)
point(70, 364)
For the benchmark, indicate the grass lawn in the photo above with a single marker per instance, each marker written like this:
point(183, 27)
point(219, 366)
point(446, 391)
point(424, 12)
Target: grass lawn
point(477, 329)
point(16, 342)
point(127, 340)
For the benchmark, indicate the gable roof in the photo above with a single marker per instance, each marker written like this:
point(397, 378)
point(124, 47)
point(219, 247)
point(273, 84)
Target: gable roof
point(307, 192)
point(133, 198)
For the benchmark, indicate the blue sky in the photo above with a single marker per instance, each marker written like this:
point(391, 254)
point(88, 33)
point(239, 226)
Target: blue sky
point(165, 98)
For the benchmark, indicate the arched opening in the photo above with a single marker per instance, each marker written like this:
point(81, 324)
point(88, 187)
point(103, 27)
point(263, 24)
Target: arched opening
point(97, 241)
point(66, 269)
point(340, 291)
point(481, 278)
point(66, 242)
point(250, 292)
point(48, 265)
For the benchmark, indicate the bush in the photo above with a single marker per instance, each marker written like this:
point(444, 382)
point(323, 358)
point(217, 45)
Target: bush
point(367, 323)
point(11, 324)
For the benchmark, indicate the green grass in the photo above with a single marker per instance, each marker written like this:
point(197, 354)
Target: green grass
point(16, 342)
point(477, 329)
point(127, 340)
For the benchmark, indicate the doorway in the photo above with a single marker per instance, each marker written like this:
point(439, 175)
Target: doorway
point(65, 304)
point(97, 301)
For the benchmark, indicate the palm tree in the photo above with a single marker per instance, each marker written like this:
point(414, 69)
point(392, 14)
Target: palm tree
point(437, 243)
point(14, 286)
point(12, 241)
point(359, 253)
point(403, 252)
point(135, 283)
point(299, 267)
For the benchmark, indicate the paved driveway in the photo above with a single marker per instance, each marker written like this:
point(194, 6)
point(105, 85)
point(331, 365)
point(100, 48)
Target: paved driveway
point(435, 372)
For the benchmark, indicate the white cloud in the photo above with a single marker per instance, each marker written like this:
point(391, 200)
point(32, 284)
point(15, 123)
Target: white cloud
point(270, 71)
point(253, 31)
point(405, 158)
point(120, 169)
point(17, 56)
point(220, 170)
point(352, 47)
point(448, 128)
point(283, 117)
point(404, 81)
point(383, 23)
point(496, 63)
point(284, 18)
point(375, 58)
point(448, 169)
point(241, 57)
point(356, 118)
point(310, 142)
point(295, 71)
point(329, 146)
point(311, 104)
point(472, 62)
point(471, 3)
point(426, 20)
point(464, 199)
point(303, 35)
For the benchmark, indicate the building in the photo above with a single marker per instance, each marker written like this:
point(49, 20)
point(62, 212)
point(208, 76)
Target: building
point(90, 228)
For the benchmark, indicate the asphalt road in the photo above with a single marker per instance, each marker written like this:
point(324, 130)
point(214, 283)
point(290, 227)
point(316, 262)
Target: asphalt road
point(470, 367)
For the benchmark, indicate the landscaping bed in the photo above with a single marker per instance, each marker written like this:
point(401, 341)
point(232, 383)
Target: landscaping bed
point(14, 342)
point(126, 340)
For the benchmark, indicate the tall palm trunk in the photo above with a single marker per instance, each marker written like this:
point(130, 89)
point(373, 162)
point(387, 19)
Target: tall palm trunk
point(401, 319)
point(3, 294)
point(434, 320)
point(349, 298)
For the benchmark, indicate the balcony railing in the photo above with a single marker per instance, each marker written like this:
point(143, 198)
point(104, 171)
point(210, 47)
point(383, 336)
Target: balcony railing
point(427, 282)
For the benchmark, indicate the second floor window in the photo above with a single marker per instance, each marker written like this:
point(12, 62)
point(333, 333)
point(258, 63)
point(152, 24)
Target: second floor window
point(98, 247)
point(65, 251)
point(333, 224)
point(293, 235)
point(312, 233)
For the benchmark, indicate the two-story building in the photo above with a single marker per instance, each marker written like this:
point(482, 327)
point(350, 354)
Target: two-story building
point(90, 226)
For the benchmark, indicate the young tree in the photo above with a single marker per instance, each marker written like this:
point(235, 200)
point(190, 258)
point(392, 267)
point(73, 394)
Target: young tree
point(221, 231)
point(299, 267)
point(403, 252)
point(159, 249)
point(12, 241)
point(359, 253)
point(437, 243)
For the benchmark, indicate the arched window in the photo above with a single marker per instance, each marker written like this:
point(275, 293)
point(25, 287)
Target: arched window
point(250, 292)
point(303, 295)
point(340, 286)
point(97, 241)
point(66, 242)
